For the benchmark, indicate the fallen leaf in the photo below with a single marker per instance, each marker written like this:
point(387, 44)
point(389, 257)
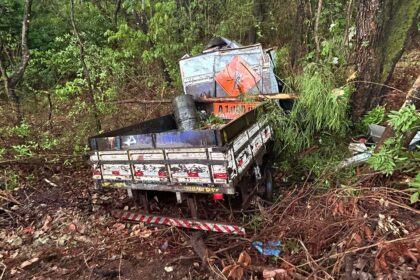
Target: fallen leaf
point(233, 271)
point(275, 273)
point(119, 226)
point(46, 223)
point(357, 238)
point(29, 230)
point(83, 239)
point(368, 232)
point(28, 262)
point(14, 240)
point(244, 259)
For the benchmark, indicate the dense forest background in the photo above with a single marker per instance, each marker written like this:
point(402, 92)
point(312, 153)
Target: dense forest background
point(92, 65)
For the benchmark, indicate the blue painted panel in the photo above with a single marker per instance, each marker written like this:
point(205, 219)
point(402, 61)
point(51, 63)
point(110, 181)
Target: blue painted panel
point(191, 138)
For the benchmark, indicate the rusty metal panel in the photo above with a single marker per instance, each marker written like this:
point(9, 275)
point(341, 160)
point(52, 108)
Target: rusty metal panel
point(198, 72)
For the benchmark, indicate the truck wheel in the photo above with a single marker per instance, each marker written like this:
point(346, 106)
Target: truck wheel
point(268, 184)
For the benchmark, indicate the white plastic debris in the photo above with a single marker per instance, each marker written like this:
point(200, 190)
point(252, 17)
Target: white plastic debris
point(169, 268)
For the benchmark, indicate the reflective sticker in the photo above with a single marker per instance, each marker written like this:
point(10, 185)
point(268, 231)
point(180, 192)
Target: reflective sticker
point(94, 157)
point(253, 129)
point(220, 174)
point(116, 172)
point(190, 173)
point(150, 172)
point(186, 223)
point(217, 156)
point(256, 144)
point(108, 184)
point(97, 173)
point(266, 133)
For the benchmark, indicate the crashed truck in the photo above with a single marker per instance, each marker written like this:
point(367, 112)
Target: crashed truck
point(175, 154)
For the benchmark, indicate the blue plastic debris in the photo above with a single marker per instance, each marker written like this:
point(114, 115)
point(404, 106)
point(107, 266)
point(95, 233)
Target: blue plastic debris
point(269, 248)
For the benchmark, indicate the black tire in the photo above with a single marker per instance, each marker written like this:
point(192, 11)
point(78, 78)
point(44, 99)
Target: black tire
point(268, 184)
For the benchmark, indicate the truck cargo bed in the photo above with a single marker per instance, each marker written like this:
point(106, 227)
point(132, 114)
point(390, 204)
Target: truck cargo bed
point(154, 156)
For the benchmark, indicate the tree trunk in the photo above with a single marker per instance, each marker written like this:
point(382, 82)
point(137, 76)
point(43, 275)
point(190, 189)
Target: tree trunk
point(14, 102)
point(86, 74)
point(297, 39)
point(383, 28)
point(258, 12)
point(318, 15)
point(12, 80)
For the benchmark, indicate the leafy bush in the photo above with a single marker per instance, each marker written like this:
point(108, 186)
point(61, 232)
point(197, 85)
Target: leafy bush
point(2, 152)
point(22, 151)
point(415, 187)
point(392, 155)
point(22, 130)
point(374, 116)
point(320, 109)
point(406, 119)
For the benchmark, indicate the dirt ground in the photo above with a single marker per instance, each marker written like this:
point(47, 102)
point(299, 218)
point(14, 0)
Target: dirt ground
point(58, 227)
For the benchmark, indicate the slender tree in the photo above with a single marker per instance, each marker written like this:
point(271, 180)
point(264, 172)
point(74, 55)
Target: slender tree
point(12, 77)
point(86, 73)
point(318, 15)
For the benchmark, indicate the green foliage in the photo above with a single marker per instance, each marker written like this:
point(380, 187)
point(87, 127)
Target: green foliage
point(11, 180)
point(22, 130)
point(49, 142)
point(213, 120)
point(2, 152)
point(128, 56)
point(415, 188)
point(22, 151)
point(392, 155)
point(388, 157)
point(406, 119)
point(309, 117)
point(374, 116)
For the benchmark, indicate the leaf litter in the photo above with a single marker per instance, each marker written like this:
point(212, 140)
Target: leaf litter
point(67, 231)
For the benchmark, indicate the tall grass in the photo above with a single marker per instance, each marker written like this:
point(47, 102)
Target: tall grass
point(321, 108)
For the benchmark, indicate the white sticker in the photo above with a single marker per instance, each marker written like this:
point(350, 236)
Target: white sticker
point(150, 172)
point(116, 172)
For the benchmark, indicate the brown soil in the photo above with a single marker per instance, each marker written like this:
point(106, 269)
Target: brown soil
point(63, 226)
